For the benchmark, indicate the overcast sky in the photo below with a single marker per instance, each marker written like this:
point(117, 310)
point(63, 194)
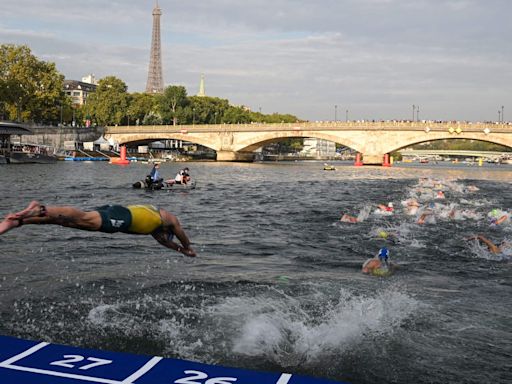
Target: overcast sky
point(374, 58)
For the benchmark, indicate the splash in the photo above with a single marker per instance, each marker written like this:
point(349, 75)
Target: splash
point(288, 333)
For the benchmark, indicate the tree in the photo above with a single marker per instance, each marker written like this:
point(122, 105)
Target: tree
point(109, 104)
point(140, 106)
point(173, 103)
point(30, 89)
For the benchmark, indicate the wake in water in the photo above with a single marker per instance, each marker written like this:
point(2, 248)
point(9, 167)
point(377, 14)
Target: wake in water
point(285, 331)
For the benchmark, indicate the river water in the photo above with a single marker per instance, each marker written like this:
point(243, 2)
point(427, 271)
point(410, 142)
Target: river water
point(277, 284)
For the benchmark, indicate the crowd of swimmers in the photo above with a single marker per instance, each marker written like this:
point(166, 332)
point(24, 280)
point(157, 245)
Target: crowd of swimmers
point(427, 203)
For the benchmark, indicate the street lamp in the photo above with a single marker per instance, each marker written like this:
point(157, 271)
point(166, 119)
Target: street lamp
point(502, 115)
point(193, 116)
point(346, 115)
point(335, 113)
point(499, 117)
point(418, 113)
point(413, 110)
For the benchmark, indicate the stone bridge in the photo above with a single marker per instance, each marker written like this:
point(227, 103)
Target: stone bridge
point(237, 142)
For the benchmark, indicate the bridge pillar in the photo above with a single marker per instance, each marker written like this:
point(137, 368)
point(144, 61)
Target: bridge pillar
point(235, 156)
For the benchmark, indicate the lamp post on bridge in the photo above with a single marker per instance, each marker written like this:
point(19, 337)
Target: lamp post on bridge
point(335, 113)
point(346, 115)
point(499, 116)
point(418, 113)
point(502, 115)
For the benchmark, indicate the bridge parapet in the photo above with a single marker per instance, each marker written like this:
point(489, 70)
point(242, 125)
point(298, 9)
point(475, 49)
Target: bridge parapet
point(318, 126)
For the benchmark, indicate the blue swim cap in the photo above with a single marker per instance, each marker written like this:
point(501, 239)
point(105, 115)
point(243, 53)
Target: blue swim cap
point(383, 252)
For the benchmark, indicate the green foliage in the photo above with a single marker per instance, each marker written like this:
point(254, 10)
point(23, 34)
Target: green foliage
point(109, 104)
point(30, 89)
point(140, 106)
point(172, 104)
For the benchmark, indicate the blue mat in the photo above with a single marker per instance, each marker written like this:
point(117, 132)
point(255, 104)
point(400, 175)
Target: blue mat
point(31, 362)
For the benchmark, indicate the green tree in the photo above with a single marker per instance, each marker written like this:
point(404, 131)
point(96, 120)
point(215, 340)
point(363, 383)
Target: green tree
point(173, 103)
point(109, 104)
point(140, 106)
point(30, 89)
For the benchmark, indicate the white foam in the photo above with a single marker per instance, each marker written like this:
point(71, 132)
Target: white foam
point(282, 330)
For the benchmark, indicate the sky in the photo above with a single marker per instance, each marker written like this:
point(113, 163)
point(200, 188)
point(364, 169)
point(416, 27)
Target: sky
point(316, 59)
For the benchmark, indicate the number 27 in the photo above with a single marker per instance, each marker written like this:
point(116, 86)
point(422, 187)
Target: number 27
point(68, 359)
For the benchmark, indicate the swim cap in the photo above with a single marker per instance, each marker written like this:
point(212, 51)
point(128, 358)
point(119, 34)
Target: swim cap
point(494, 212)
point(390, 205)
point(383, 234)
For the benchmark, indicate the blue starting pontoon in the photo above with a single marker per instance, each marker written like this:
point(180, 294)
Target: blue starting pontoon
point(31, 362)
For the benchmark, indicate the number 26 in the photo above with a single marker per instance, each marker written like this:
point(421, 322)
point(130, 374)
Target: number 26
point(200, 376)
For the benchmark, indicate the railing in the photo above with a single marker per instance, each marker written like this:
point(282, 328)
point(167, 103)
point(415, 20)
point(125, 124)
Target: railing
point(316, 126)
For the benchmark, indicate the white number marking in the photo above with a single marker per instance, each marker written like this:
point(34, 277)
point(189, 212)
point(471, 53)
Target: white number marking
point(96, 363)
point(68, 359)
point(76, 358)
point(200, 376)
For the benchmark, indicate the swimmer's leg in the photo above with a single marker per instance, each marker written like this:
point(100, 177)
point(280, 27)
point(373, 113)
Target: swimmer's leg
point(65, 216)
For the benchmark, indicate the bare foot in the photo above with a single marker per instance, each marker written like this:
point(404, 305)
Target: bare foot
point(33, 210)
point(8, 224)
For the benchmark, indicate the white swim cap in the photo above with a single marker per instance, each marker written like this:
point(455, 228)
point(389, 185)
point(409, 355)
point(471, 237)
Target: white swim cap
point(390, 205)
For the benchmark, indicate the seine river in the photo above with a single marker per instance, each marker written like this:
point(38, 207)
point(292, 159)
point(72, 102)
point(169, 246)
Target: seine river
point(277, 284)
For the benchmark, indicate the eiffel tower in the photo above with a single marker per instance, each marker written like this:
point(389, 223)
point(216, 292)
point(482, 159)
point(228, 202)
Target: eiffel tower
point(155, 83)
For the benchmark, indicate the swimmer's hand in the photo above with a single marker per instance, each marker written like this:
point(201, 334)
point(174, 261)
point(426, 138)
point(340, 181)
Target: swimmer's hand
point(187, 251)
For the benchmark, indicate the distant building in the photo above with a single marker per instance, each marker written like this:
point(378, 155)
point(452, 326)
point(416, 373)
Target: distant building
point(90, 79)
point(318, 148)
point(78, 91)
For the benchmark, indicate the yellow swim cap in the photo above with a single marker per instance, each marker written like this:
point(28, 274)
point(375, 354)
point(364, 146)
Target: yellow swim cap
point(383, 234)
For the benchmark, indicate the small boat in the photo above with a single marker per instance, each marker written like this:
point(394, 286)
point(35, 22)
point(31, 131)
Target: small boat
point(31, 153)
point(161, 185)
point(328, 167)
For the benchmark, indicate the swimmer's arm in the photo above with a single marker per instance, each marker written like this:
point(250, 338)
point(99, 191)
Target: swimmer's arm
point(163, 239)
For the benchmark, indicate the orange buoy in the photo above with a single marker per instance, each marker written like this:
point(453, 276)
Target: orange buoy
point(120, 160)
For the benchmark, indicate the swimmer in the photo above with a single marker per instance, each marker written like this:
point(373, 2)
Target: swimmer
point(412, 206)
point(348, 219)
point(387, 208)
point(490, 245)
point(380, 261)
point(497, 217)
point(133, 219)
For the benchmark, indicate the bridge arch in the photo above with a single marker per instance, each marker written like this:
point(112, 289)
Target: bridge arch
point(255, 142)
point(407, 142)
point(144, 137)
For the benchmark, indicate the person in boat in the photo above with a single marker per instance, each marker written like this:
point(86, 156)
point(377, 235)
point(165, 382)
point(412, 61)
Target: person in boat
point(379, 262)
point(155, 172)
point(132, 219)
point(156, 179)
point(182, 177)
point(493, 248)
